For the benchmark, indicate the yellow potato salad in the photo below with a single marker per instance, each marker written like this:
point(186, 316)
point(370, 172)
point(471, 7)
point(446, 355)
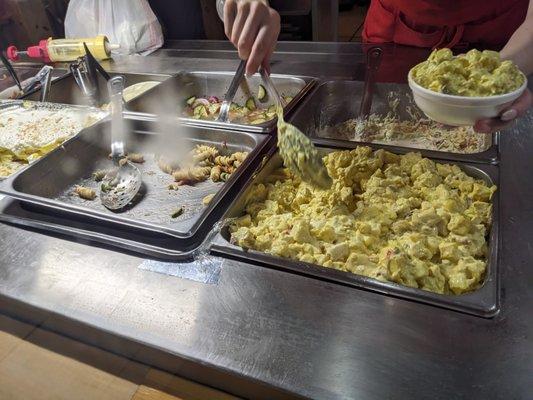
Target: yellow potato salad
point(403, 219)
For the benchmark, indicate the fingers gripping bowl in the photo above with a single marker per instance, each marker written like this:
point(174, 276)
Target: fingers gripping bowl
point(460, 90)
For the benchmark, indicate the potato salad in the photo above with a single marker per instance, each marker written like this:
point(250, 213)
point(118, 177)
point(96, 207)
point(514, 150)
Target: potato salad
point(476, 73)
point(396, 218)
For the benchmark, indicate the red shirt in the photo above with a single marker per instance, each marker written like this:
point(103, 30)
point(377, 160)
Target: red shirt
point(483, 24)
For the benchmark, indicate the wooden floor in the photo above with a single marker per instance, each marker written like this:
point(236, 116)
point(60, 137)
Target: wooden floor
point(41, 365)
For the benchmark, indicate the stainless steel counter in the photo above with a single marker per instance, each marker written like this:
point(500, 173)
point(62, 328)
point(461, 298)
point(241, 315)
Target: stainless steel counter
point(263, 333)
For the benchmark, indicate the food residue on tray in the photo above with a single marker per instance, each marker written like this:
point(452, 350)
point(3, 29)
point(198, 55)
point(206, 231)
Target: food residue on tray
point(476, 73)
point(98, 175)
point(85, 192)
point(177, 212)
point(207, 199)
point(27, 133)
point(413, 130)
point(208, 108)
point(403, 219)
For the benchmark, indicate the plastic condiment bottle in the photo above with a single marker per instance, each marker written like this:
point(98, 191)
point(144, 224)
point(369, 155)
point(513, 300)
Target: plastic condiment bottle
point(65, 49)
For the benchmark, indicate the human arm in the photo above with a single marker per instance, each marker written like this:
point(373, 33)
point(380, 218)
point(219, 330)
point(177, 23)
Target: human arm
point(519, 49)
point(253, 28)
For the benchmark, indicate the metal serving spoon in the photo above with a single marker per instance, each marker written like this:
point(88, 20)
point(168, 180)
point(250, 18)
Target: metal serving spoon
point(298, 152)
point(230, 94)
point(121, 184)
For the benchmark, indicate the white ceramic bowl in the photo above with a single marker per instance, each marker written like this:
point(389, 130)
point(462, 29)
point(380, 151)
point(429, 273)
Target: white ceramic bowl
point(460, 110)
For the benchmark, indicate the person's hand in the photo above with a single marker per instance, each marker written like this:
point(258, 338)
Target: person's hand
point(513, 110)
point(253, 28)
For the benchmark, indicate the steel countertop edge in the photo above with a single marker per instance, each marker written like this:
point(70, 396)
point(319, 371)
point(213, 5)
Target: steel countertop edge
point(262, 333)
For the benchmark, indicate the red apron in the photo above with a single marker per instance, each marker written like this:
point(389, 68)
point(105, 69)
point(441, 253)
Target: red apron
point(483, 24)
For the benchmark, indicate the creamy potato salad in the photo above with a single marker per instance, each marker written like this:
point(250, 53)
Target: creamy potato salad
point(476, 73)
point(403, 219)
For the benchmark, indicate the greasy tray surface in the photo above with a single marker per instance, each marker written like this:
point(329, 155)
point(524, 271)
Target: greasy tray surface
point(483, 302)
point(50, 181)
point(34, 216)
point(20, 108)
point(184, 85)
point(65, 89)
point(335, 102)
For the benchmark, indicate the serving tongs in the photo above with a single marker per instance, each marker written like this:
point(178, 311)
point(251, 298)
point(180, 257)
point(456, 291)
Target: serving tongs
point(122, 183)
point(42, 79)
point(85, 72)
point(298, 152)
point(230, 94)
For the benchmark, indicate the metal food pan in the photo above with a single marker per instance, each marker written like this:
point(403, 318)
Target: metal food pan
point(50, 181)
point(77, 227)
point(483, 302)
point(10, 108)
point(187, 84)
point(334, 102)
point(65, 90)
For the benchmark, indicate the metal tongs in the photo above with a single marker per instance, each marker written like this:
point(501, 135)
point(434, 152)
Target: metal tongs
point(84, 70)
point(230, 94)
point(42, 78)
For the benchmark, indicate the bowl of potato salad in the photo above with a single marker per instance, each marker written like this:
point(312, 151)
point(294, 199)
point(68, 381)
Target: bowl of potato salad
point(459, 90)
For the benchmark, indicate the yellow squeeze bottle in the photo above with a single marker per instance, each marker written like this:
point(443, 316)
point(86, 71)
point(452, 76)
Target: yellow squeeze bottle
point(57, 50)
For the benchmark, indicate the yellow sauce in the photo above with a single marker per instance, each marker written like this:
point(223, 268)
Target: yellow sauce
point(476, 73)
point(403, 219)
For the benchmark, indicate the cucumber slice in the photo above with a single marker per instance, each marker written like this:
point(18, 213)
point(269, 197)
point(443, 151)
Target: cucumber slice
point(200, 111)
point(250, 104)
point(191, 100)
point(262, 94)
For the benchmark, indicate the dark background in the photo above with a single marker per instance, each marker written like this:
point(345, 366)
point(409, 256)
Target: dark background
point(25, 22)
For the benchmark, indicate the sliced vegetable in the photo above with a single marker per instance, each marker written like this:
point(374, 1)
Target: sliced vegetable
point(191, 100)
point(258, 121)
point(262, 94)
point(200, 111)
point(250, 104)
point(177, 212)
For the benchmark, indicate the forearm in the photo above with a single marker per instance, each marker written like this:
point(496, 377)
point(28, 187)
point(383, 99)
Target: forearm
point(519, 49)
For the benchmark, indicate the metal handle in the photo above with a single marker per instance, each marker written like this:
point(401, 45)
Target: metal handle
point(115, 87)
point(11, 70)
point(373, 60)
point(271, 88)
point(45, 85)
point(230, 94)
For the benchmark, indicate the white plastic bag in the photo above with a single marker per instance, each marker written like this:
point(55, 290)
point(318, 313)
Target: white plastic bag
point(130, 23)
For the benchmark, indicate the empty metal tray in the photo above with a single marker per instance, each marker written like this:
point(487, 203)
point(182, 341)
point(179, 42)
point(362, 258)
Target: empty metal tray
point(65, 90)
point(483, 302)
point(50, 181)
point(179, 88)
point(335, 102)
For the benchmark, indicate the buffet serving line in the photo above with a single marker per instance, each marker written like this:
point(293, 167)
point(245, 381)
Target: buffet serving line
point(165, 281)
